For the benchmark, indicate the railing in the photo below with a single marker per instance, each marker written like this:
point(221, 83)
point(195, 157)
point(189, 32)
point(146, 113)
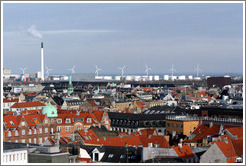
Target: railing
point(202, 118)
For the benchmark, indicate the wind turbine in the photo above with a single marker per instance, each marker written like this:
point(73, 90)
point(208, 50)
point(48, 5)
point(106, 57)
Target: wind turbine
point(72, 70)
point(172, 70)
point(47, 70)
point(147, 70)
point(97, 69)
point(197, 69)
point(23, 70)
point(122, 70)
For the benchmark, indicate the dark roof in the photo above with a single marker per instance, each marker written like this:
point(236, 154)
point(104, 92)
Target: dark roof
point(165, 160)
point(59, 101)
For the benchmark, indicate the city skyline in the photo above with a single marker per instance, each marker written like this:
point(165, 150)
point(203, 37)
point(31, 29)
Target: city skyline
point(113, 35)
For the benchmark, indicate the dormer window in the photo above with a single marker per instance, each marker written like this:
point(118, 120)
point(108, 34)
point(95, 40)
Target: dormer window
point(23, 123)
point(110, 155)
point(88, 120)
point(59, 121)
point(68, 120)
point(46, 121)
point(11, 122)
point(9, 133)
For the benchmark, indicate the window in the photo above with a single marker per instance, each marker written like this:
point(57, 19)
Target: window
point(30, 131)
point(34, 131)
point(34, 140)
point(23, 132)
point(10, 156)
point(30, 140)
point(11, 122)
point(59, 121)
point(40, 140)
point(46, 121)
point(52, 120)
point(46, 130)
point(88, 120)
point(23, 141)
point(67, 128)
point(123, 156)
point(17, 156)
point(9, 133)
point(24, 156)
point(23, 123)
point(21, 156)
point(68, 120)
point(16, 132)
point(59, 128)
point(168, 124)
point(40, 130)
point(110, 155)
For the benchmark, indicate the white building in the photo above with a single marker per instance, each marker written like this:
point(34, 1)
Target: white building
point(129, 78)
point(166, 77)
point(190, 77)
point(107, 77)
point(150, 78)
point(117, 78)
point(156, 78)
point(181, 77)
point(14, 156)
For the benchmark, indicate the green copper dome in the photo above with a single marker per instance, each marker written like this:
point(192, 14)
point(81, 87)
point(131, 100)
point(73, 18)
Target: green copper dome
point(50, 110)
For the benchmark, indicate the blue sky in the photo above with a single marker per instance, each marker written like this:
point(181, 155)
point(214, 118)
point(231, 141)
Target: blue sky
point(114, 35)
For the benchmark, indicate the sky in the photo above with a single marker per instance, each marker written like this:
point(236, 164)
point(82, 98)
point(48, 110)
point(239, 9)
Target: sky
point(112, 35)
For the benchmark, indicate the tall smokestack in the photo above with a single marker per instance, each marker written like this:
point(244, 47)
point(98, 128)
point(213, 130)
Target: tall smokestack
point(42, 61)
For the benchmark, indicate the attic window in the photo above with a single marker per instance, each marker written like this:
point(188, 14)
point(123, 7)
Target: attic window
point(110, 155)
point(11, 122)
point(68, 120)
point(88, 120)
point(59, 121)
point(123, 156)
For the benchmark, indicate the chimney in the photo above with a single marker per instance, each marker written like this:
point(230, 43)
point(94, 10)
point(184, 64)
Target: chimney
point(104, 138)
point(126, 144)
point(150, 145)
point(211, 124)
point(42, 61)
point(180, 145)
point(57, 139)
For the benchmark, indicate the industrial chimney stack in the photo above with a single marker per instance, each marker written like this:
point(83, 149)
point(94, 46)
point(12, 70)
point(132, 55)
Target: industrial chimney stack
point(42, 61)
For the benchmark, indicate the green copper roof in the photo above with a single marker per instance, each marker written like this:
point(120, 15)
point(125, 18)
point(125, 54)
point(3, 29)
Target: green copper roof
point(50, 110)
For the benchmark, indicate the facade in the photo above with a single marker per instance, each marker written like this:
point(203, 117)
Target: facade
point(14, 156)
point(181, 127)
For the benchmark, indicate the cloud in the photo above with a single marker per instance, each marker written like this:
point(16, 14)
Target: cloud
point(32, 31)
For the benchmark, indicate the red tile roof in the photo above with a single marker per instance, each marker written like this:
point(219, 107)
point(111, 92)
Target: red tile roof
point(130, 140)
point(227, 148)
point(142, 105)
point(27, 104)
point(90, 134)
point(15, 119)
point(202, 131)
point(184, 152)
point(236, 131)
point(10, 101)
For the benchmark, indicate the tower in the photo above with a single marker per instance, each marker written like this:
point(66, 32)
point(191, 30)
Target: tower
point(42, 61)
point(70, 86)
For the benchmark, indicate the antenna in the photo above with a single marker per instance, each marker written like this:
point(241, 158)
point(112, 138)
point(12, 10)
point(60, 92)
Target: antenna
point(72, 70)
point(97, 69)
point(122, 71)
point(23, 70)
point(197, 69)
point(172, 70)
point(47, 70)
point(147, 70)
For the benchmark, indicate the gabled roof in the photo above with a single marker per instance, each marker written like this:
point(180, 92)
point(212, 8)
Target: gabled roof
point(15, 119)
point(27, 104)
point(202, 131)
point(90, 134)
point(227, 148)
point(236, 131)
point(33, 120)
point(184, 152)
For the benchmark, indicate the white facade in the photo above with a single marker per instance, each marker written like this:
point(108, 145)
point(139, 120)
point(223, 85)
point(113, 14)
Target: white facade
point(98, 77)
point(156, 78)
point(182, 77)
point(117, 78)
point(107, 77)
point(97, 155)
point(14, 156)
point(129, 78)
point(190, 77)
point(197, 78)
point(166, 77)
point(150, 78)
point(174, 77)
